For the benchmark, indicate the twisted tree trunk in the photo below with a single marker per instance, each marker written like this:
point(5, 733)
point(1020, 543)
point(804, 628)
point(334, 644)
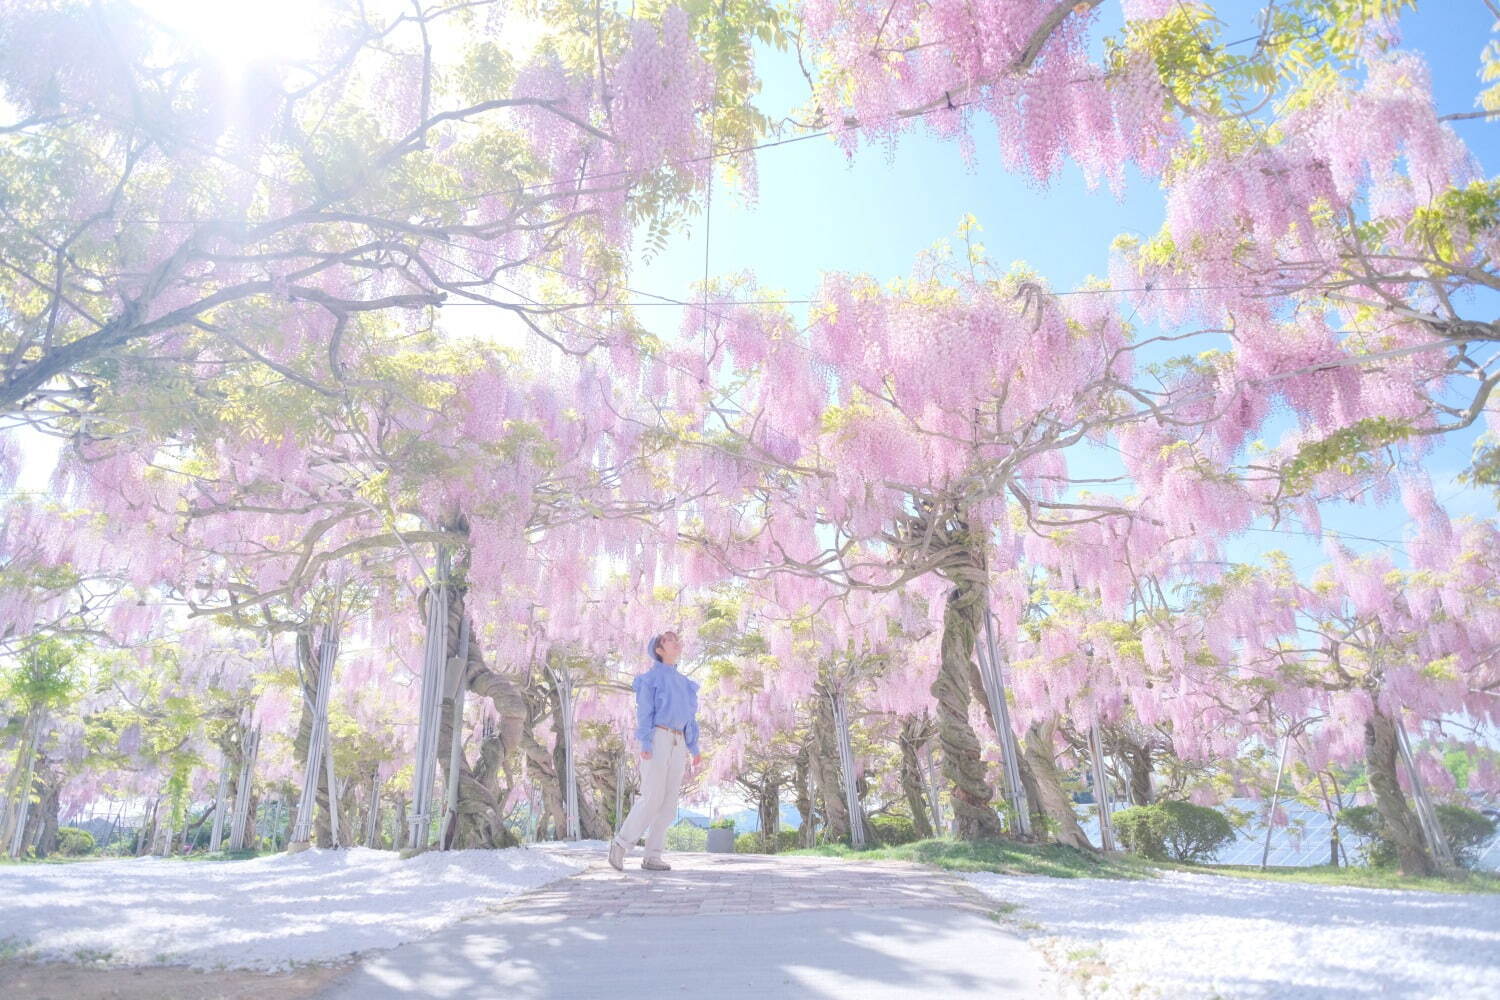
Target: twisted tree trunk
point(913, 735)
point(962, 764)
point(1400, 822)
point(1054, 801)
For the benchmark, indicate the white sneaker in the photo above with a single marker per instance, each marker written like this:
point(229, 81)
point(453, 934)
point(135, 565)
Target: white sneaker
point(655, 865)
point(616, 856)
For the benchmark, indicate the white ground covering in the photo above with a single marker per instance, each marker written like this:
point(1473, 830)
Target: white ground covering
point(1193, 936)
point(263, 913)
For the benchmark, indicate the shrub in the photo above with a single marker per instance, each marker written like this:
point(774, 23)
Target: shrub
point(685, 836)
point(1467, 830)
point(1179, 831)
point(1372, 847)
point(74, 842)
point(1143, 830)
point(891, 830)
point(750, 843)
point(1195, 833)
point(722, 824)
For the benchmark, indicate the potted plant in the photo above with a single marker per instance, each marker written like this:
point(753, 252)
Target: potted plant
point(721, 836)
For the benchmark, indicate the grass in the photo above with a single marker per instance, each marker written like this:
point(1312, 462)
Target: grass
point(1364, 878)
point(1011, 858)
point(1003, 856)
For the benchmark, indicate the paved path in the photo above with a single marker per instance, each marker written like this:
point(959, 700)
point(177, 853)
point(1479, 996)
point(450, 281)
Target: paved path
point(730, 926)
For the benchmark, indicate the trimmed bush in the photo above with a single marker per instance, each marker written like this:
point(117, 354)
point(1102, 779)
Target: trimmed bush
point(1195, 833)
point(1467, 830)
point(721, 824)
point(1179, 831)
point(750, 843)
point(1371, 846)
point(684, 836)
point(1143, 831)
point(74, 842)
point(892, 830)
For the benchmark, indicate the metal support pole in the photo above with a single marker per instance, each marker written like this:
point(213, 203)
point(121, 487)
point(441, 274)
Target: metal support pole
point(932, 790)
point(992, 673)
point(23, 794)
point(1101, 790)
point(564, 682)
point(619, 787)
point(1427, 817)
point(241, 830)
point(1265, 851)
point(216, 839)
point(846, 764)
point(372, 824)
point(433, 669)
point(318, 746)
point(456, 685)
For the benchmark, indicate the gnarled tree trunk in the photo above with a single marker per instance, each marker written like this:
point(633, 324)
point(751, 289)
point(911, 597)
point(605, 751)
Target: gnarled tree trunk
point(962, 763)
point(1400, 821)
point(914, 733)
point(1055, 803)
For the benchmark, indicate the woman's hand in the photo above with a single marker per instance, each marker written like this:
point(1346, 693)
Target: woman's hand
point(645, 755)
point(697, 759)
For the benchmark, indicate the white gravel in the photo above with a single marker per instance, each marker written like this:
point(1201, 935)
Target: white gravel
point(264, 913)
point(1195, 936)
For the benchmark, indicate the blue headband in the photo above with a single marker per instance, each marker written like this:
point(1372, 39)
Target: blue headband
point(651, 647)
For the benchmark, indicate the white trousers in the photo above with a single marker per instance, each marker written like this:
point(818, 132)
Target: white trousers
point(656, 807)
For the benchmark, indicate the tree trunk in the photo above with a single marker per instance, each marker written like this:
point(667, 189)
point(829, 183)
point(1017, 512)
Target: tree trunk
point(591, 822)
point(803, 768)
point(1400, 822)
point(480, 821)
point(307, 661)
point(1138, 760)
point(41, 820)
point(824, 761)
point(768, 811)
point(962, 764)
point(1057, 807)
point(398, 838)
point(911, 776)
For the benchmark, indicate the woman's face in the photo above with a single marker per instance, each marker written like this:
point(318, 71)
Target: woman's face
point(670, 646)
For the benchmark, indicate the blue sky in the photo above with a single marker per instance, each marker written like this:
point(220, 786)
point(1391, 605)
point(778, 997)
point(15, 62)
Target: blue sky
point(817, 211)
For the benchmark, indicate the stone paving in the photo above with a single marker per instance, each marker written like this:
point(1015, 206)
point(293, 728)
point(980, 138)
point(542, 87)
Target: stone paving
point(743, 927)
point(745, 883)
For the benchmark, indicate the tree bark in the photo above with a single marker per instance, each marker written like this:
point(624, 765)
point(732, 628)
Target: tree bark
point(1400, 822)
point(1062, 822)
point(480, 820)
point(308, 663)
point(962, 763)
point(824, 762)
point(803, 767)
point(911, 739)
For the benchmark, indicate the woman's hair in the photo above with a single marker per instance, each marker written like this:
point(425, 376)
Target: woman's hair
point(654, 642)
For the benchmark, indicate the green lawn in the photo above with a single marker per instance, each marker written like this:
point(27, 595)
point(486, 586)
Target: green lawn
point(1006, 857)
point(1009, 858)
point(1369, 878)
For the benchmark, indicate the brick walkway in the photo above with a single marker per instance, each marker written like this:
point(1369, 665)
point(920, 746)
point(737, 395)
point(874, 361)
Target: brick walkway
point(745, 883)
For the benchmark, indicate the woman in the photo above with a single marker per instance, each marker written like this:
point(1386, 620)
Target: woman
point(666, 710)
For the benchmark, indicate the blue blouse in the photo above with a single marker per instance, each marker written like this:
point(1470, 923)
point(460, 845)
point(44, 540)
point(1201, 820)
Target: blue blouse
point(664, 697)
